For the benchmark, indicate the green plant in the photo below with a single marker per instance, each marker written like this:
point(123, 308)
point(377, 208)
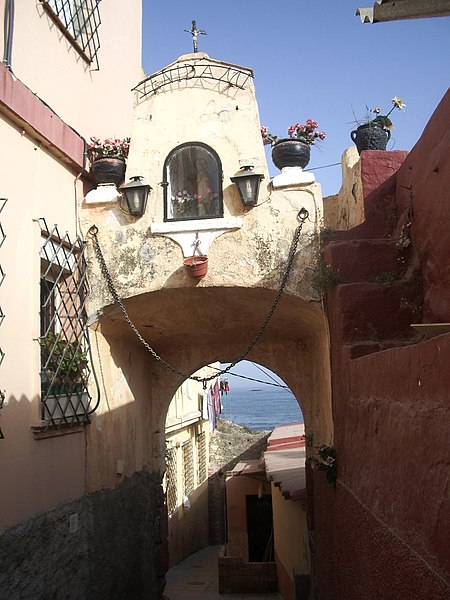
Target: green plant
point(63, 362)
point(383, 120)
point(385, 277)
point(325, 276)
point(326, 461)
point(307, 133)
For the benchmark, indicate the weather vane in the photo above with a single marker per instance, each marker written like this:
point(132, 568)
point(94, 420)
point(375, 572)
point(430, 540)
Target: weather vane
point(194, 32)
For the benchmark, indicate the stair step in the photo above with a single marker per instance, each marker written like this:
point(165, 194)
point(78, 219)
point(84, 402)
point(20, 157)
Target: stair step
point(377, 260)
point(363, 348)
point(369, 313)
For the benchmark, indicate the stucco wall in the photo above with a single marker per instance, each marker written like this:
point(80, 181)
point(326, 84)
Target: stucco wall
point(93, 102)
point(423, 184)
point(37, 474)
point(382, 532)
point(291, 541)
point(237, 488)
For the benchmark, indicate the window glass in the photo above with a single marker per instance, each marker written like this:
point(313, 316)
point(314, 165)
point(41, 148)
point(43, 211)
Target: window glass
point(193, 178)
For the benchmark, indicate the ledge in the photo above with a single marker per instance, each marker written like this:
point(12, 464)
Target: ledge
point(39, 121)
point(196, 236)
point(43, 432)
point(431, 330)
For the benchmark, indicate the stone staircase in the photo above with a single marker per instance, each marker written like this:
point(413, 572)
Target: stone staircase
point(377, 291)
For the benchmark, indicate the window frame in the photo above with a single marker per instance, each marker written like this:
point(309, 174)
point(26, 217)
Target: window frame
point(218, 181)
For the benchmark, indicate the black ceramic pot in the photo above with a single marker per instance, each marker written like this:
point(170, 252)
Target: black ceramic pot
point(370, 136)
point(109, 169)
point(290, 152)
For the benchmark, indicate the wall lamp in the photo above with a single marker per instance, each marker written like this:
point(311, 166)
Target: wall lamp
point(136, 193)
point(248, 184)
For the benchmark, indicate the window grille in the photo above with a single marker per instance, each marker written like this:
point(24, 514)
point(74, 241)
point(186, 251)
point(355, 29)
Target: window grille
point(64, 338)
point(3, 201)
point(171, 480)
point(201, 457)
point(188, 469)
point(79, 21)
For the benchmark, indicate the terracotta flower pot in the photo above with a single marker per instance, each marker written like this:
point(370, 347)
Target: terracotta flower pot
point(196, 266)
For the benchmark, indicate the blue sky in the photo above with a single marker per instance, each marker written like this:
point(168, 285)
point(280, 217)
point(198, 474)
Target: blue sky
point(313, 59)
point(252, 370)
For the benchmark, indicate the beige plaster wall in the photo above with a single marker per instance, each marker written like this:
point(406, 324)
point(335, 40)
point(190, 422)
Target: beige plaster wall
point(290, 534)
point(346, 209)
point(237, 488)
point(93, 102)
point(36, 474)
point(39, 474)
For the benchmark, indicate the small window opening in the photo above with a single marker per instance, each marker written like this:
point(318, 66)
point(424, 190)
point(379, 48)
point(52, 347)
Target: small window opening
point(192, 183)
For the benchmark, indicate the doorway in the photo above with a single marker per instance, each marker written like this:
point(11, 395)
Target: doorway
point(259, 528)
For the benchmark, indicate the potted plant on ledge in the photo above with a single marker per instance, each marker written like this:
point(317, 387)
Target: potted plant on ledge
point(63, 366)
point(294, 151)
point(375, 133)
point(108, 159)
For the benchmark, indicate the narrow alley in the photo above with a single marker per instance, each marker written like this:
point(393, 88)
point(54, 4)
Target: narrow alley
point(197, 578)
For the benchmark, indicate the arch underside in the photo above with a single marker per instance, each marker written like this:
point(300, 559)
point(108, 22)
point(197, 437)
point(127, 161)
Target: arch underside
point(196, 326)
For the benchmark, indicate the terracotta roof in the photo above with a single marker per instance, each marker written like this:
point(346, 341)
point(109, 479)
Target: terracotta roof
point(285, 460)
point(248, 467)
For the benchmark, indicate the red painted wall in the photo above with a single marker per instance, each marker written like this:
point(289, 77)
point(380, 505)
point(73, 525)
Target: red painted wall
point(384, 532)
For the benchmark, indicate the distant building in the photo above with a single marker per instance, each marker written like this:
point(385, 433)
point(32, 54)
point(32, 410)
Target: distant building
point(268, 544)
point(189, 422)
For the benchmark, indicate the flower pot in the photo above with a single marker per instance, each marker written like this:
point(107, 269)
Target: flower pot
point(196, 266)
point(290, 152)
point(109, 169)
point(370, 136)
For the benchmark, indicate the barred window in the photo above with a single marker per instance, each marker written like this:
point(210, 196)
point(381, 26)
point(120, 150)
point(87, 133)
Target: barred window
point(188, 469)
point(63, 337)
point(171, 480)
point(201, 457)
point(79, 21)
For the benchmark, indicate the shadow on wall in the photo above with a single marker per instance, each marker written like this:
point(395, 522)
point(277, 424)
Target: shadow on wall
point(217, 485)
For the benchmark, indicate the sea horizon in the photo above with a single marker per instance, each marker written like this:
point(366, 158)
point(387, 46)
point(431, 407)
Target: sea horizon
point(260, 407)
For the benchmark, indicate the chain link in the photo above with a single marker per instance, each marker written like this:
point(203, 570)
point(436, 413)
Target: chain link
point(93, 231)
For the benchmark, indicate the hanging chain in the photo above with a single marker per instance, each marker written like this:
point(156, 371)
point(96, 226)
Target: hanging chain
point(93, 231)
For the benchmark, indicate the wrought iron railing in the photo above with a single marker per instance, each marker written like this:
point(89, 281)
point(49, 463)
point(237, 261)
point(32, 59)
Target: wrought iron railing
point(79, 21)
point(188, 468)
point(64, 338)
point(171, 480)
point(3, 201)
point(201, 458)
point(224, 75)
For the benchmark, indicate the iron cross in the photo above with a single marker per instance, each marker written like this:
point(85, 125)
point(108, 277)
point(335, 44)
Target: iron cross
point(194, 32)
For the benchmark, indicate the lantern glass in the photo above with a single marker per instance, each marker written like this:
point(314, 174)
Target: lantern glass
point(136, 193)
point(248, 185)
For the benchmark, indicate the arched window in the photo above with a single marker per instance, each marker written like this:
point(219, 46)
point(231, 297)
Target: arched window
point(192, 183)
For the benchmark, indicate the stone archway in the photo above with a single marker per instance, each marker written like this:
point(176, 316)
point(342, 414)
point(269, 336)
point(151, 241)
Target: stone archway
point(190, 328)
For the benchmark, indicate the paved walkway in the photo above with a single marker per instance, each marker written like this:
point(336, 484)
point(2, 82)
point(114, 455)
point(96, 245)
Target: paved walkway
point(196, 579)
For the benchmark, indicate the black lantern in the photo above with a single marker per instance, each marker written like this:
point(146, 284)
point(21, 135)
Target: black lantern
point(248, 185)
point(136, 193)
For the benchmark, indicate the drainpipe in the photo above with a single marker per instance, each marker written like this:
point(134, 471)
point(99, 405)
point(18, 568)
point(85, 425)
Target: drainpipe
point(8, 30)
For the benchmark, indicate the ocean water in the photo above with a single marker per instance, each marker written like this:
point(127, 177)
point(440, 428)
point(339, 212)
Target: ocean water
point(261, 407)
